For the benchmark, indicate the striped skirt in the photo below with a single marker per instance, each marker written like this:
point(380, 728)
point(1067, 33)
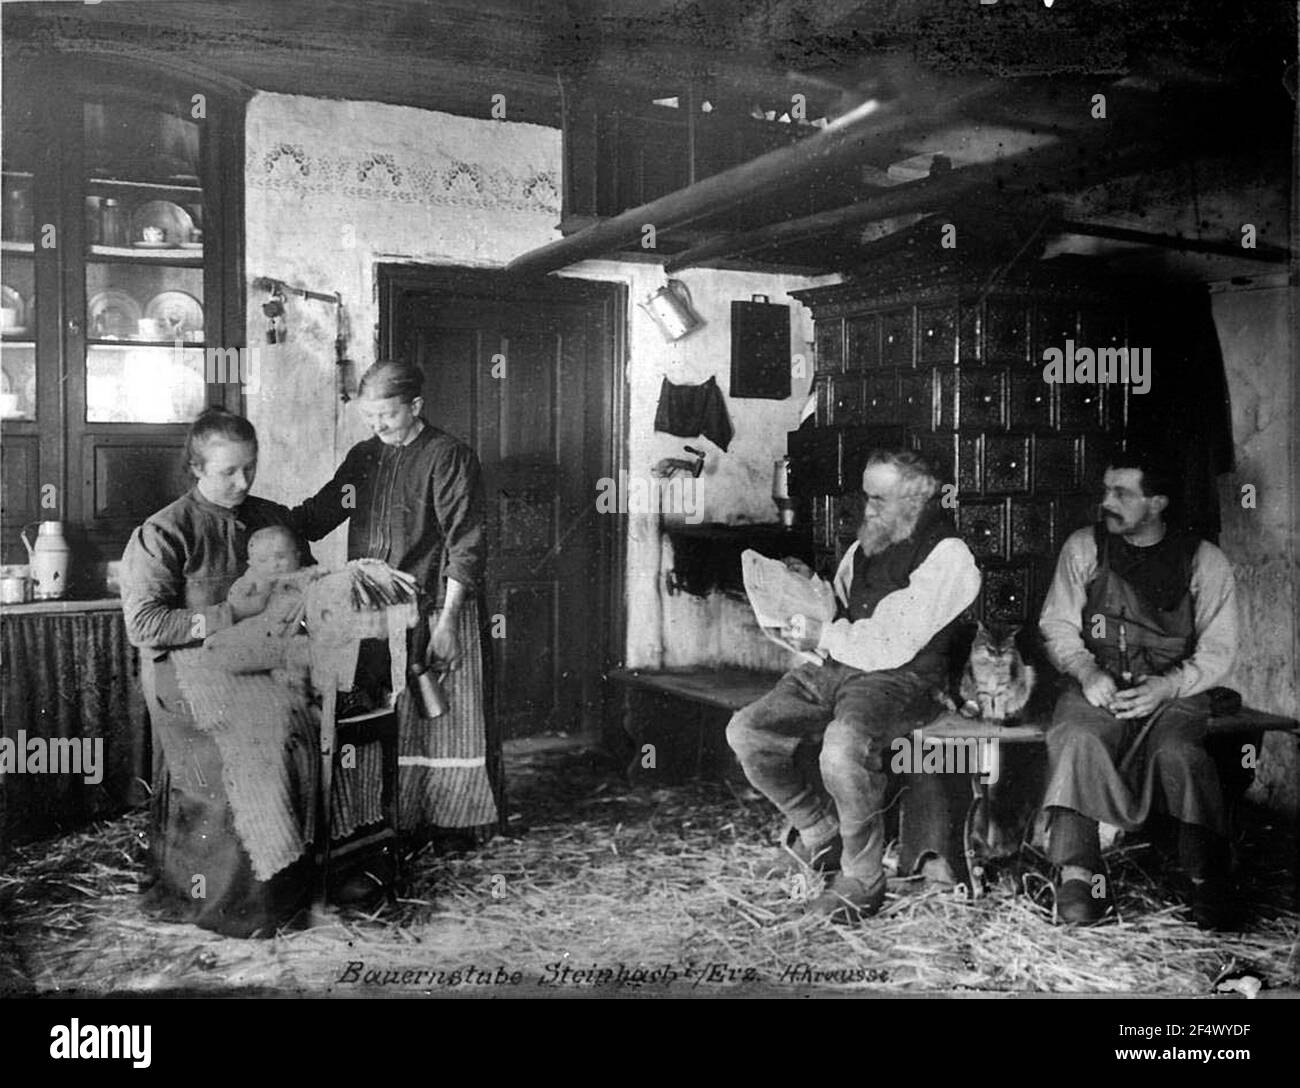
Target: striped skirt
point(443, 763)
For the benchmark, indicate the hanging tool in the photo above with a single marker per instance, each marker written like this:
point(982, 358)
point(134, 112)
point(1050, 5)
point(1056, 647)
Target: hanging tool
point(341, 361)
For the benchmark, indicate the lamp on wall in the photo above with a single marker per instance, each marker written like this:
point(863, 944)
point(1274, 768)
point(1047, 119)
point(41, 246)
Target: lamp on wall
point(671, 310)
point(274, 310)
point(277, 333)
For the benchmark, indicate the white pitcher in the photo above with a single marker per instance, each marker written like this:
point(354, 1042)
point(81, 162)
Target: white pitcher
point(49, 560)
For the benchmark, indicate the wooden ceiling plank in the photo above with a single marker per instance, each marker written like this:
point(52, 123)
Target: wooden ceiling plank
point(831, 149)
point(1033, 170)
point(1267, 253)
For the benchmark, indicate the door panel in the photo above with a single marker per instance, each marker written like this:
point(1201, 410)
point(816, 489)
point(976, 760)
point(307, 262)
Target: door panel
point(511, 377)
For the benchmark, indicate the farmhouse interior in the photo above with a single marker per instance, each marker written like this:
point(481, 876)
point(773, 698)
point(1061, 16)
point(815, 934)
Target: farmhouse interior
point(669, 272)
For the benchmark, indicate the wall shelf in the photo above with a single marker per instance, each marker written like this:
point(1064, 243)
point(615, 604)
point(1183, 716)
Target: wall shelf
point(706, 557)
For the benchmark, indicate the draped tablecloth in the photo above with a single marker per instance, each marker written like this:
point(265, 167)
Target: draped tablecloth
point(67, 671)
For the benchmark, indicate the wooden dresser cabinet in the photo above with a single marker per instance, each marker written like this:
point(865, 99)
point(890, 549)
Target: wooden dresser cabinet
point(954, 369)
point(121, 261)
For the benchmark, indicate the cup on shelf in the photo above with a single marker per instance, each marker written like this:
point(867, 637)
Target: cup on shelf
point(196, 235)
point(8, 318)
point(150, 328)
point(15, 583)
point(153, 235)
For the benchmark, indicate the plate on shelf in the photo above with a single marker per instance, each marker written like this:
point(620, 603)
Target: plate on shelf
point(113, 313)
point(12, 300)
point(191, 245)
point(181, 314)
point(173, 220)
point(152, 245)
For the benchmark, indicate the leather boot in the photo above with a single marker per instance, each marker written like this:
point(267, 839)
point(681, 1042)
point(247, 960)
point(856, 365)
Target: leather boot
point(794, 857)
point(847, 900)
point(1204, 858)
point(1077, 906)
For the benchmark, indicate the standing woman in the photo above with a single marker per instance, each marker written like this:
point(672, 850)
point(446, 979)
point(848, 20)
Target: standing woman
point(413, 496)
point(176, 576)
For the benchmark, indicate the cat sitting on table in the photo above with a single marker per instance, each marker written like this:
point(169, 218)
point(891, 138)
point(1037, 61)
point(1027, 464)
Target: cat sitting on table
point(997, 681)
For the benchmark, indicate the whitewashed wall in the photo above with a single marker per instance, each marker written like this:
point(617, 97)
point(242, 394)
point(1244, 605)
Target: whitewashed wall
point(336, 188)
point(1254, 334)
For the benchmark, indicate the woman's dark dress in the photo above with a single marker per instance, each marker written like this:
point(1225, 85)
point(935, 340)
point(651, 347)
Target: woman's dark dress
point(177, 570)
point(420, 508)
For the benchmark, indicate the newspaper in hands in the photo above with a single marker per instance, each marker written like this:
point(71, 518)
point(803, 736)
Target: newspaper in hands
point(777, 594)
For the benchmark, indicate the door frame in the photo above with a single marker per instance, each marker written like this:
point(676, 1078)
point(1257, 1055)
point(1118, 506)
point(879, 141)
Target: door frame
point(392, 279)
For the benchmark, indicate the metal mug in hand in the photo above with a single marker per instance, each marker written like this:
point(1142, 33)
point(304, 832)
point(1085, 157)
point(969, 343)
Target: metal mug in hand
point(426, 687)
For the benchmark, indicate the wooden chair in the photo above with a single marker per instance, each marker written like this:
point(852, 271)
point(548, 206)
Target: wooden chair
point(371, 727)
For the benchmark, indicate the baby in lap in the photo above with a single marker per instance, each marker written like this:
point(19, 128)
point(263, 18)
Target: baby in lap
point(267, 640)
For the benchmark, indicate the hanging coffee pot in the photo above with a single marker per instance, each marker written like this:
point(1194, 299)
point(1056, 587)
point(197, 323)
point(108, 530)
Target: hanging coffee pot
point(49, 560)
point(670, 309)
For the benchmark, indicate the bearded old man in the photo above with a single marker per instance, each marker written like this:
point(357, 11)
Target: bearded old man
point(899, 591)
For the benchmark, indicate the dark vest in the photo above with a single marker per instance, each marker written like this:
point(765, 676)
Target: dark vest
point(1148, 590)
point(877, 576)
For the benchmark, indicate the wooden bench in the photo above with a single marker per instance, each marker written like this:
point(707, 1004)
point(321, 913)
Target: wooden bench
point(730, 689)
point(652, 708)
point(719, 693)
point(699, 701)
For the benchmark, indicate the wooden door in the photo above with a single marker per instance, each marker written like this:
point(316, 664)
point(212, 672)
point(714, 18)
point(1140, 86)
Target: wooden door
point(525, 381)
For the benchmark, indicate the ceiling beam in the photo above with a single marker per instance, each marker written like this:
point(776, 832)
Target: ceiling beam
point(1268, 253)
point(826, 151)
point(1038, 170)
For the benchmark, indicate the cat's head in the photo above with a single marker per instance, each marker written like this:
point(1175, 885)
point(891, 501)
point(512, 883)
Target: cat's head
point(995, 640)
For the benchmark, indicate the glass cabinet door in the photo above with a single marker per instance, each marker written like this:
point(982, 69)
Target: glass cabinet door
point(18, 271)
point(145, 322)
point(122, 213)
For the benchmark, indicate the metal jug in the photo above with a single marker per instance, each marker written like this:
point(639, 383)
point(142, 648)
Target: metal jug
point(49, 560)
point(426, 689)
point(670, 309)
point(781, 491)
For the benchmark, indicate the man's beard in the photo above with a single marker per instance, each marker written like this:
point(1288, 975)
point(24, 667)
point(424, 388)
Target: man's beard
point(877, 534)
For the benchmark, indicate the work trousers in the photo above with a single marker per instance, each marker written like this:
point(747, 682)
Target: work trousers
point(857, 715)
point(1095, 774)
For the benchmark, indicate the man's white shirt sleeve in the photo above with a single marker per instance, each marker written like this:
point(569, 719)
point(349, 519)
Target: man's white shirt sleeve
point(944, 584)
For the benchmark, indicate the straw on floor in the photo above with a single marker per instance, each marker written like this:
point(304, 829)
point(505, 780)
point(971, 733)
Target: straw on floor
point(666, 890)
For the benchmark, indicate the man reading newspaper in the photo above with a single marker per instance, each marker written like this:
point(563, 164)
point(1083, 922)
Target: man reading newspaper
point(875, 652)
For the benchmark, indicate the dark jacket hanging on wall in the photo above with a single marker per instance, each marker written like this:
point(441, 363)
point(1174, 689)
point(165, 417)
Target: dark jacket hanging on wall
point(1187, 408)
point(690, 410)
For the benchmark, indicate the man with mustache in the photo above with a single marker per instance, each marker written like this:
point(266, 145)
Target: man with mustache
point(1142, 618)
point(899, 590)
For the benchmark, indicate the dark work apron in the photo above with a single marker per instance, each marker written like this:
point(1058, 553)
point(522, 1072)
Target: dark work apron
point(1124, 786)
point(1157, 639)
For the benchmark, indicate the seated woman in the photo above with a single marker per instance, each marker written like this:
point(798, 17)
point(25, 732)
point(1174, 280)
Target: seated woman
point(230, 854)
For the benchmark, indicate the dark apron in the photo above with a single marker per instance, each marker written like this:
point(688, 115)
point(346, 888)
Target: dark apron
point(1159, 765)
point(1157, 640)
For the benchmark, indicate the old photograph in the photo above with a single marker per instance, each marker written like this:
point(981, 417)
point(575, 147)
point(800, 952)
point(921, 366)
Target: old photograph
point(649, 499)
